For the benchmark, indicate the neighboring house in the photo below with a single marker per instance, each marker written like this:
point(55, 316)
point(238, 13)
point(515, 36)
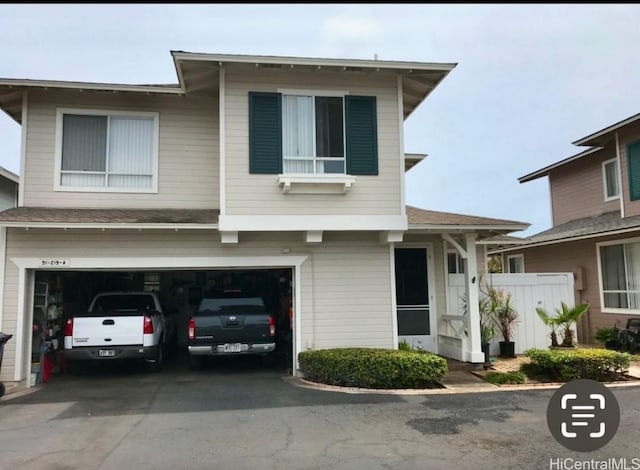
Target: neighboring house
point(8, 189)
point(595, 203)
point(282, 174)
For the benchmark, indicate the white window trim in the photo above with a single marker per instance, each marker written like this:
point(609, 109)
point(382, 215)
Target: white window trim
point(326, 176)
point(604, 179)
point(60, 112)
point(509, 257)
point(603, 309)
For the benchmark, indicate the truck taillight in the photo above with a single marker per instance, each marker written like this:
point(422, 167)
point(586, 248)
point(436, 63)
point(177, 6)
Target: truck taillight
point(272, 326)
point(68, 328)
point(192, 329)
point(148, 325)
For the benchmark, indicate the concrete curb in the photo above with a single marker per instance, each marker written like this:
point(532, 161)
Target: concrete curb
point(447, 390)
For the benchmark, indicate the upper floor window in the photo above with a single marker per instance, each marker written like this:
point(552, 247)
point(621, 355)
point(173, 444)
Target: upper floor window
point(314, 133)
point(620, 275)
point(107, 151)
point(610, 176)
point(515, 263)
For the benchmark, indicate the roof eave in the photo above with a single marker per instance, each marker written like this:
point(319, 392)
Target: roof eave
point(26, 83)
point(108, 225)
point(507, 228)
point(592, 138)
point(547, 169)
point(567, 239)
point(276, 60)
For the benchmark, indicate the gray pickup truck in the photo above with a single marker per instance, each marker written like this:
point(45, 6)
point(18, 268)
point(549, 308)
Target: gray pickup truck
point(230, 323)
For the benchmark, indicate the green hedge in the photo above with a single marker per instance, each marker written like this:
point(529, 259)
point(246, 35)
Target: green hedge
point(569, 364)
point(372, 368)
point(501, 378)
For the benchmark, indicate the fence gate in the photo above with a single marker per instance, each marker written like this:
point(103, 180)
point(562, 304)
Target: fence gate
point(528, 291)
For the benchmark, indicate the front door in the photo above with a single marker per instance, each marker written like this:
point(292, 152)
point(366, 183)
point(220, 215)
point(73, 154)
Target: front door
point(412, 296)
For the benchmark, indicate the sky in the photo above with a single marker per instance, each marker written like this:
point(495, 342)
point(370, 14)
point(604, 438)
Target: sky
point(530, 79)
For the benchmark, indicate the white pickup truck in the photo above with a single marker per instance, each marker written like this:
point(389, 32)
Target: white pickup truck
point(119, 325)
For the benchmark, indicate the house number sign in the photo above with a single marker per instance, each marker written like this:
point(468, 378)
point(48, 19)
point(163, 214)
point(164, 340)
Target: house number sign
point(54, 262)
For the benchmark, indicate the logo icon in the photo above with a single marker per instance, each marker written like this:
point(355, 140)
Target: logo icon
point(583, 415)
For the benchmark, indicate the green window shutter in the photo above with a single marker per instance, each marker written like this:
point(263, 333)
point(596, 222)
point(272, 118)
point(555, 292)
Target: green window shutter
point(362, 135)
point(265, 133)
point(633, 157)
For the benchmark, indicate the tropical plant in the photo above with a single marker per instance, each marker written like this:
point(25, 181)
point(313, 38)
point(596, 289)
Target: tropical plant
point(487, 322)
point(503, 311)
point(566, 317)
point(551, 323)
point(606, 335)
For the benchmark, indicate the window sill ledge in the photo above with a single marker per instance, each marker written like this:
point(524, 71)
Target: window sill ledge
point(316, 184)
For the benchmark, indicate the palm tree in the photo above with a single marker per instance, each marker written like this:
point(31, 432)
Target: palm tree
point(565, 318)
point(551, 323)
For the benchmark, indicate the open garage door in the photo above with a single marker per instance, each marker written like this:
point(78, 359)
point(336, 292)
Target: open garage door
point(60, 295)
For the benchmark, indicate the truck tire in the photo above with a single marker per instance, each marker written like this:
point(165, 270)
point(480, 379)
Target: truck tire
point(195, 362)
point(156, 364)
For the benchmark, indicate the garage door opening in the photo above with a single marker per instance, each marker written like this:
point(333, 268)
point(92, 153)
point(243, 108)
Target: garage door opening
point(60, 295)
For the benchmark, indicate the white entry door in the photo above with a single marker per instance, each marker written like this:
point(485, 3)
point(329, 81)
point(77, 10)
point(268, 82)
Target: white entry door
point(413, 298)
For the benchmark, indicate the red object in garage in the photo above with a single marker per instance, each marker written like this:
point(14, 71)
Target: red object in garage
point(47, 369)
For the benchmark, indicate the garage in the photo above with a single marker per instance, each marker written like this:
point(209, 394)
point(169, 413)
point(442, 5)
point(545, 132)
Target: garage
point(60, 293)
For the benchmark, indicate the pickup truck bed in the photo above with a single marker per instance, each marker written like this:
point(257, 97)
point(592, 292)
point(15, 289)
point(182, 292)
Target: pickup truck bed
point(230, 325)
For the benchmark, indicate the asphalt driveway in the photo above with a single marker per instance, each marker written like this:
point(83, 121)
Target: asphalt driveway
point(250, 417)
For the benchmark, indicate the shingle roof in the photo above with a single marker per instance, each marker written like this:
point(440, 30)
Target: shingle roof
point(424, 217)
point(418, 218)
point(587, 226)
point(110, 216)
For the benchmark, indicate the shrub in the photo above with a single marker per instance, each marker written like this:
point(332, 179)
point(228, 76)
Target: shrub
point(501, 378)
point(373, 368)
point(404, 346)
point(604, 335)
point(566, 365)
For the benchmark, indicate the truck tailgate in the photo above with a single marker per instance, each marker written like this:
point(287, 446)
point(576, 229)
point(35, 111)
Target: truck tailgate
point(235, 328)
point(107, 331)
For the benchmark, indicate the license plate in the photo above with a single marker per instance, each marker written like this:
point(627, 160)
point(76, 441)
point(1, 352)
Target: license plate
point(106, 352)
point(232, 348)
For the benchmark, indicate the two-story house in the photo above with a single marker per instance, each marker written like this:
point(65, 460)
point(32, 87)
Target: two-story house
point(595, 204)
point(277, 174)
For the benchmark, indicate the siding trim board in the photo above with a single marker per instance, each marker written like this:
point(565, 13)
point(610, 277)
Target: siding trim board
point(223, 141)
point(23, 146)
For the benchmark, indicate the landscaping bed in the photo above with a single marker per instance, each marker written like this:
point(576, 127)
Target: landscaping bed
point(559, 366)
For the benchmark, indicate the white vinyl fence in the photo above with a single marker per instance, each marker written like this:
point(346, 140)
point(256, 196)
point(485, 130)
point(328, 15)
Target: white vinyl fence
point(528, 291)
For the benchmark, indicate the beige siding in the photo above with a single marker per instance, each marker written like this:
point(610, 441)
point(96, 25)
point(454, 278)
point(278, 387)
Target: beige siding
point(188, 150)
point(628, 136)
point(577, 189)
point(345, 292)
point(371, 195)
point(579, 257)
